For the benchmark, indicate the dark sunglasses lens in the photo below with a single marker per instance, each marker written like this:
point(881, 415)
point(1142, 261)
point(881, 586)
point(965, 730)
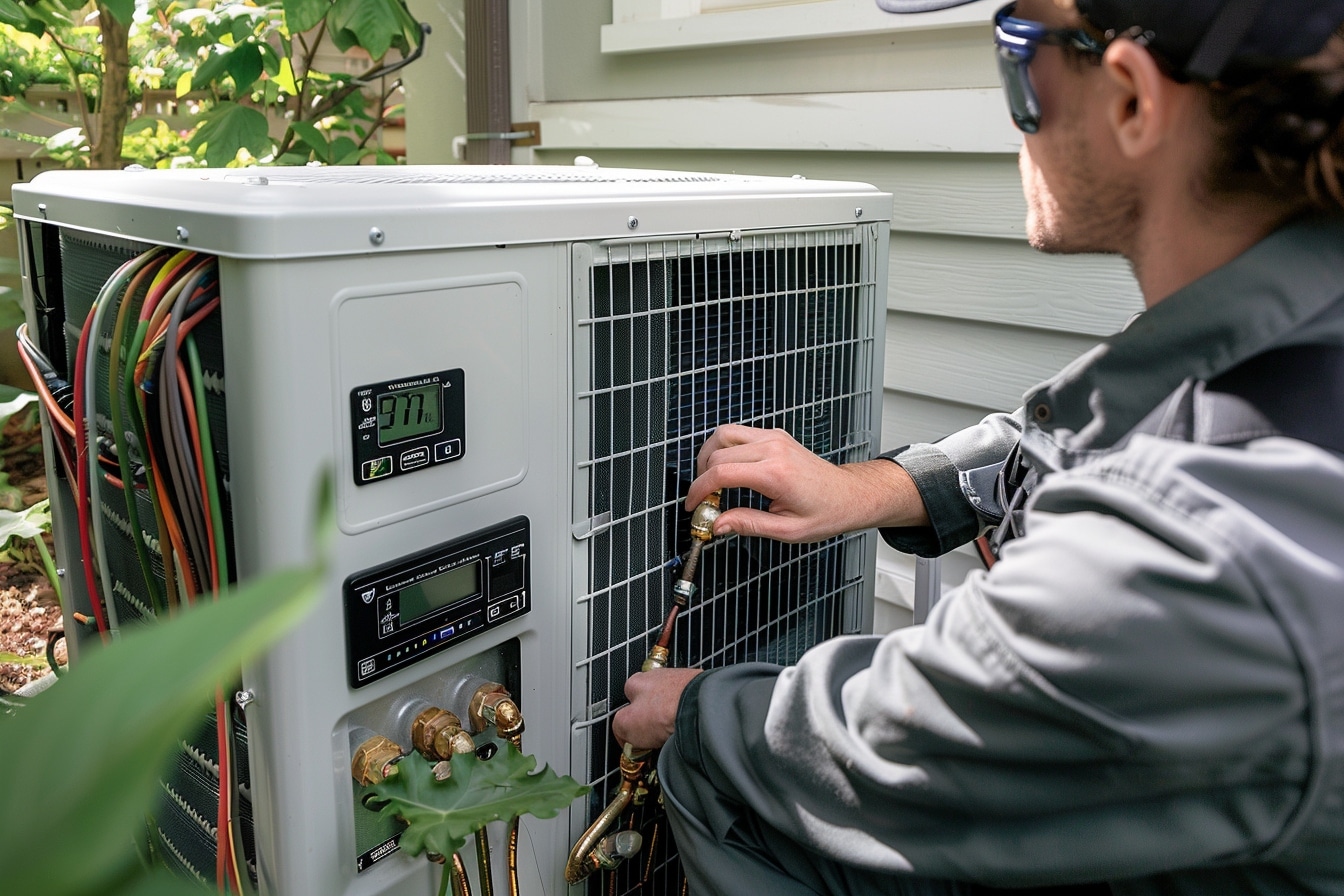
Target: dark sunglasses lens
point(1022, 102)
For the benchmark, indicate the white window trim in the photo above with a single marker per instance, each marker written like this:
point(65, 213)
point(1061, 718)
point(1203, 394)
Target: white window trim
point(640, 26)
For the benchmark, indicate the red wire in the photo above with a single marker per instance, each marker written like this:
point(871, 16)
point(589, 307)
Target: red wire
point(222, 862)
point(83, 497)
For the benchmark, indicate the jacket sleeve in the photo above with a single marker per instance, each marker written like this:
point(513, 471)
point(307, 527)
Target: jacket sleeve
point(1112, 700)
point(955, 477)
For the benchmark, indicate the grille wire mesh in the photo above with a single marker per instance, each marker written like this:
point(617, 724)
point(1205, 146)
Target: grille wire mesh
point(773, 330)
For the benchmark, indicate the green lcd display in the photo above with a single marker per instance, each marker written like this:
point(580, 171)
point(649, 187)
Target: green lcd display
point(441, 591)
point(408, 413)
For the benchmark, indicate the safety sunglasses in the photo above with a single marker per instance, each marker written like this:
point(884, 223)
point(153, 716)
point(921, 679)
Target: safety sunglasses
point(1015, 43)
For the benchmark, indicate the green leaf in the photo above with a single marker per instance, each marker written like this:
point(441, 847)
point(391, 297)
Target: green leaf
point(213, 68)
point(341, 148)
point(245, 65)
point(121, 710)
point(122, 10)
point(12, 13)
point(286, 77)
point(440, 815)
point(30, 523)
point(12, 405)
point(313, 138)
point(7, 657)
point(375, 25)
point(301, 15)
point(227, 128)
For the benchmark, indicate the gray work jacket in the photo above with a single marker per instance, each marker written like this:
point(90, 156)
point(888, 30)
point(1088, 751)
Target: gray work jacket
point(1148, 688)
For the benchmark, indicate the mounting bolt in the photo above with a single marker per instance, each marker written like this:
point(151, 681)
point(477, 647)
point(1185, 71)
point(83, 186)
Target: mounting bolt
point(245, 698)
point(632, 222)
point(60, 572)
point(376, 236)
point(182, 234)
point(42, 207)
point(858, 213)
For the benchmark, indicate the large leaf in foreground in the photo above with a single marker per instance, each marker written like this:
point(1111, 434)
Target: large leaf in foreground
point(441, 815)
point(78, 765)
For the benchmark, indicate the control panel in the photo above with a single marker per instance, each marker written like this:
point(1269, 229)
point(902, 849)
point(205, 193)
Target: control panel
point(403, 611)
point(399, 426)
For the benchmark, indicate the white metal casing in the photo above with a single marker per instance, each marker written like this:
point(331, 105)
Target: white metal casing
point(332, 278)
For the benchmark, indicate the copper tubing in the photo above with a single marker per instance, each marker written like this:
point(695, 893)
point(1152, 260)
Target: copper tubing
point(483, 863)
point(582, 858)
point(461, 886)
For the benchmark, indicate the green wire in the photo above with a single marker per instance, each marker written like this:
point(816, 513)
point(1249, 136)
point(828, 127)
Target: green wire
point(118, 350)
point(208, 457)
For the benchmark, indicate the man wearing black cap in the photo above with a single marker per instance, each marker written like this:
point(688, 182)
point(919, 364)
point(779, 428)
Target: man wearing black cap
point(1145, 693)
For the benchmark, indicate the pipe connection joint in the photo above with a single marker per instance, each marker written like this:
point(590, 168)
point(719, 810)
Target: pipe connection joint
point(375, 760)
point(493, 705)
point(437, 734)
point(702, 519)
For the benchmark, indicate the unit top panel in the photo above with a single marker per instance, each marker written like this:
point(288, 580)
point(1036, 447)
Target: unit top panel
point(314, 211)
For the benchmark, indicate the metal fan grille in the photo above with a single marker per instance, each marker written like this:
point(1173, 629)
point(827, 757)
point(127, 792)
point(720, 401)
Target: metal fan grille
point(775, 331)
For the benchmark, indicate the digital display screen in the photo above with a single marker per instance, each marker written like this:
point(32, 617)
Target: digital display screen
point(443, 590)
point(408, 413)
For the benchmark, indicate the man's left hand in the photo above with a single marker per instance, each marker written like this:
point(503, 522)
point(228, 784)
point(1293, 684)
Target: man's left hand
point(648, 721)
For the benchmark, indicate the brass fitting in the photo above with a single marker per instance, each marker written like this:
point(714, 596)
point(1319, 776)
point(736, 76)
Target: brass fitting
point(587, 855)
point(375, 760)
point(493, 705)
point(656, 659)
point(702, 520)
point(437, 734)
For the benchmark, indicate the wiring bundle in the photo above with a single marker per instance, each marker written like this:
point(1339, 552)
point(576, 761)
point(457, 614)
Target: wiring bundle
point(137, 427)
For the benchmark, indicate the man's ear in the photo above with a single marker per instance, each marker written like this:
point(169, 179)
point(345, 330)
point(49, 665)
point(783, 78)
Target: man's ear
point(1143, 104)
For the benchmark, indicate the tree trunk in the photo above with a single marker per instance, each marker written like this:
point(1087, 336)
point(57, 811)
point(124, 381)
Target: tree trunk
point(114, 105)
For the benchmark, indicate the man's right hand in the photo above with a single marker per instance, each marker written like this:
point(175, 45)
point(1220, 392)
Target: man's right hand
point(810, 498)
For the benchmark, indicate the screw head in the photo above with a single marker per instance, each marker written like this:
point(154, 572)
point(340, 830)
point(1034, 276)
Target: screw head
point(183, 234)
point(244, 698)
point(632, 222)
point(376, 236)
point(858, 213)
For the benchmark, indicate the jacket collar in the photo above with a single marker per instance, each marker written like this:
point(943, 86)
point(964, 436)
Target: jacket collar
point(1265, 298)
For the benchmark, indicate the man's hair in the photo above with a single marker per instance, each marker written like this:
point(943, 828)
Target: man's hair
point(1281, 135)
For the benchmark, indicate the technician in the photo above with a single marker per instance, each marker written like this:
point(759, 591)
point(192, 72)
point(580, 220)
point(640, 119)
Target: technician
point(1147, 690)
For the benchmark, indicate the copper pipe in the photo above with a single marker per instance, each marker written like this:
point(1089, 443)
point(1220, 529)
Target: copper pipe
point(461, 886)
point(583, 859)
point(483, 863)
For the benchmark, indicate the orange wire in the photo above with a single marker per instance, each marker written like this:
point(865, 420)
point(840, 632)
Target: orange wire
point(44, 395)
point(189, 411)
point(189, 406)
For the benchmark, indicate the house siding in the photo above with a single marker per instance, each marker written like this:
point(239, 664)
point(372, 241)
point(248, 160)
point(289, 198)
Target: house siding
point(975, 316)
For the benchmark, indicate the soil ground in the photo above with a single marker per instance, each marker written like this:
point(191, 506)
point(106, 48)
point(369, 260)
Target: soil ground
point(29, 611)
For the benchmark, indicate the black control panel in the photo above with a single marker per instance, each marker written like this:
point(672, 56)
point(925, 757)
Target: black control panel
point(401, 612)
point(399, 426)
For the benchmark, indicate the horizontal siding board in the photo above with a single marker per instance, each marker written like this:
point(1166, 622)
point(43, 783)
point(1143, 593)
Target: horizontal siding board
point(977, 195)
point(1006, 282)
point(910, 418)
point(971, 363)
point(954, 120)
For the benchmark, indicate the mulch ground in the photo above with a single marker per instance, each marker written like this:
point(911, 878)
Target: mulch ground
point(29, 611)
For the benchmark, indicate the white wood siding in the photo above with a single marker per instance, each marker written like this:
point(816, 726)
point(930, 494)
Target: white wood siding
point(975, 316)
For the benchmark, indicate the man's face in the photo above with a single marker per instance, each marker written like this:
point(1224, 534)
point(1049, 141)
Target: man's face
point(1077, 200)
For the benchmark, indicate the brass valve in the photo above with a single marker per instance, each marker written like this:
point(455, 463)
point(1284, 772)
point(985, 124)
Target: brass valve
point(375, 760)
point(702, 520)
point(437, 734)
point(493, 705)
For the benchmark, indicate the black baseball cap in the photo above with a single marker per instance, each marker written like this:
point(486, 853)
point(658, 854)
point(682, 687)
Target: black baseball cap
point(1202, 39)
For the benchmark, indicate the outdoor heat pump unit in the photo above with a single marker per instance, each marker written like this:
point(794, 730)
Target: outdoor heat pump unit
point(506, 373)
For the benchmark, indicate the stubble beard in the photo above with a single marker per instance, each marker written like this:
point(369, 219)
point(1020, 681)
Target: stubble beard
point(1076, 208)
